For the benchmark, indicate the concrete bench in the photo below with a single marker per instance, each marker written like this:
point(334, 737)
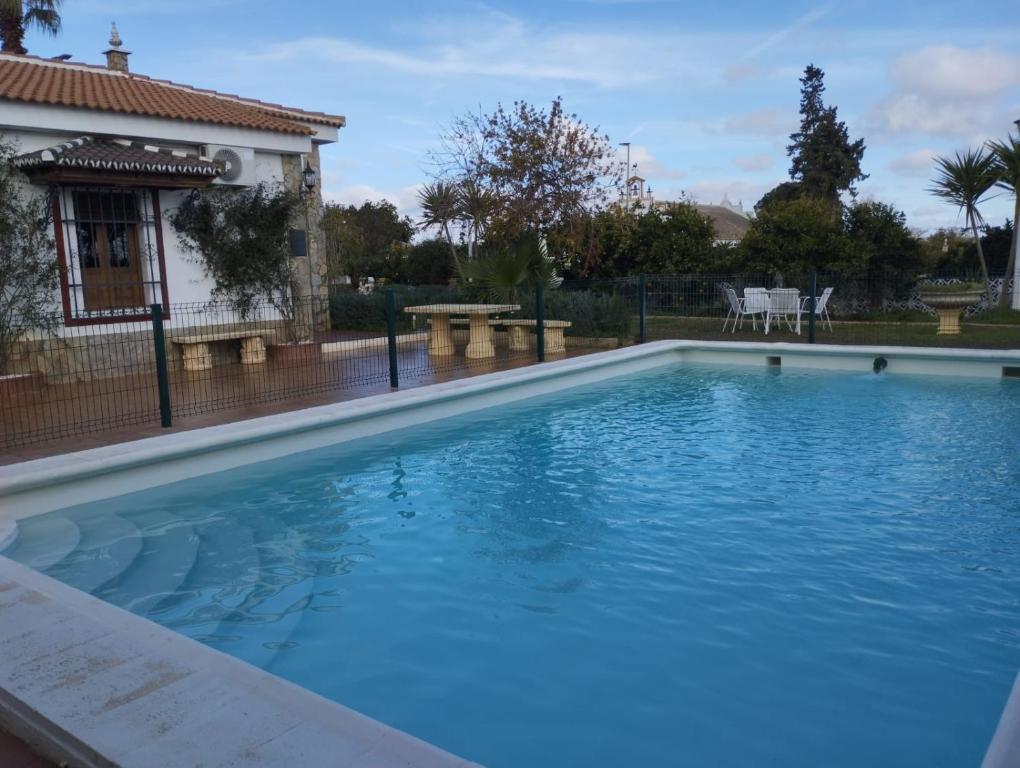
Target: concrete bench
point(553, 333)
point(519, 336)
point(197, 357)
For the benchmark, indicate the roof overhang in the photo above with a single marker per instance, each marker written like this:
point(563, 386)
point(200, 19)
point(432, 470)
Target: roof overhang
point(119, 161)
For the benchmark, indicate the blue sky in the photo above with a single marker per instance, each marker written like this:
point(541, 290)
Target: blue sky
point(707, 92)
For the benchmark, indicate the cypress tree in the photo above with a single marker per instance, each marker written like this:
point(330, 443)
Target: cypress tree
point(824, 162)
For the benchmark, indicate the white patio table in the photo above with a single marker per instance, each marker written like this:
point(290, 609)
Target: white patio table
point(479, 330)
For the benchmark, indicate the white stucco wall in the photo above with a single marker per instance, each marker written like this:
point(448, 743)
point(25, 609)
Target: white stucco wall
point(269, 167)
point(184, 277)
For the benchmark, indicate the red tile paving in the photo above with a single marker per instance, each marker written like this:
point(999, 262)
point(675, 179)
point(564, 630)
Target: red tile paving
point(73, 417)
point(16, 754)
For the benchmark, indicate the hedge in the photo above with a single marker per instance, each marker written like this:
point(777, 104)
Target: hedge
point(353, 311)
point(592, 314)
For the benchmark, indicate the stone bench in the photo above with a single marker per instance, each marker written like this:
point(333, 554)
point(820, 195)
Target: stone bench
point(553, 333)
point(519, 336)
point(197, 356)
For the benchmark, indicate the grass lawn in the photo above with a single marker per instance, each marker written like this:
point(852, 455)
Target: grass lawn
point(979, 335)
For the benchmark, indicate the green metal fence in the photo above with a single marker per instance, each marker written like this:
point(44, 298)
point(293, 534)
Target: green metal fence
point(193, 364)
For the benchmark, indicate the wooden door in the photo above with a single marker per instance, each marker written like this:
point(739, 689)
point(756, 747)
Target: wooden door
point(108, 252)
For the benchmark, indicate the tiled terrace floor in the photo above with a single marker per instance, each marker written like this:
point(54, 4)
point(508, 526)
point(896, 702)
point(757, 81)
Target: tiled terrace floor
point(15, 754)
point(62, 418)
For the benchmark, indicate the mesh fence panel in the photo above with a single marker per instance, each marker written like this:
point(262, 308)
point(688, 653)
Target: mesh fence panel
point(883, 310)
point(85, 379)
point(92, 378)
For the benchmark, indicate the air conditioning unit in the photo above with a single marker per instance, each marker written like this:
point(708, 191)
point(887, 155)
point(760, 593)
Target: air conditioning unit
point(239, 162)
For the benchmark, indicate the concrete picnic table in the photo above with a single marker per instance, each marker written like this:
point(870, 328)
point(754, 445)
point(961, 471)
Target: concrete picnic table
point(479, 330)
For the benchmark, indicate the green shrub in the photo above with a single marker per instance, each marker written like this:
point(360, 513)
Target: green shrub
point(353, 311)
point(592, 314)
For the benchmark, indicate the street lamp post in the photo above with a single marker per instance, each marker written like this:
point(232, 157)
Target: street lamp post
point(626, 180)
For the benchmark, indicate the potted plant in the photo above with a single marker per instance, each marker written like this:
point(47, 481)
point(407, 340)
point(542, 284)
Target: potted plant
point(242, 239)
point(949, 301)
point(29, 275)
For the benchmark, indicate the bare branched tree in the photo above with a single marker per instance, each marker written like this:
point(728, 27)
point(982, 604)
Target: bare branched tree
point(518, 169)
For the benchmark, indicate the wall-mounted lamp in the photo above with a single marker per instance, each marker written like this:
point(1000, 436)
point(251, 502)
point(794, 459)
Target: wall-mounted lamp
point(309, 178)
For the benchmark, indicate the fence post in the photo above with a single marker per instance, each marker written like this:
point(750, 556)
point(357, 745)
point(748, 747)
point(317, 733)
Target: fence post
point(540, 321)
point(391, 336)
point(641, 308)
point(811, 308)
point(162, 374)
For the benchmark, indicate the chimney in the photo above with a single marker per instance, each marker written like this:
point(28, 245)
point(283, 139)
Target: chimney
point(116, 59)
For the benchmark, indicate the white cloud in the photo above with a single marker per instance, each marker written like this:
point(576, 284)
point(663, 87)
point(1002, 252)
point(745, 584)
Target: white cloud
point(648, 166)
point(496, 45)
point(870, 192)
point(405, 199)
point(950, 72)
point(911, 113)
point(736, 190)
point(914, 163)
point(780, 36)
point(948, 91)
point(753, 163)
point(928, 211)
point(506, 50)
point(768, 122)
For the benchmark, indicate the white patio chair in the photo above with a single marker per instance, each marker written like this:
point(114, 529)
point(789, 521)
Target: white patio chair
point(756, 302)
point(821, 306)
point(736, 310)
point(783, 302)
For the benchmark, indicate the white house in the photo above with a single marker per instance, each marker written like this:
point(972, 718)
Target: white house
point(120, 150)
point(730, 221)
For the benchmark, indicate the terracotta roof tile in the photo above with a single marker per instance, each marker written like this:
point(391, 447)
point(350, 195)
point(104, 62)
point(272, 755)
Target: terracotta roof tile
point(119, 155)
point(38, 81)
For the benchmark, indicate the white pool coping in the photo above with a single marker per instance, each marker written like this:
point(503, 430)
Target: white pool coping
point(42, 485)
point(95, 684)
point(33, 487)
point(1004, 751)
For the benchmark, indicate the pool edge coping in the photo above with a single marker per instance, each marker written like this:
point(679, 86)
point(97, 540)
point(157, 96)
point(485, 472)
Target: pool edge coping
point(1004, 750)
point(86, 681)
point(67, 467)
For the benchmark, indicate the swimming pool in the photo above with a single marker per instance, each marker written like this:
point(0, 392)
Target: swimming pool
point(689, 566)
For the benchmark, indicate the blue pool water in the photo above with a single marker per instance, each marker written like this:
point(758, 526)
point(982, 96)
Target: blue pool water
point(687, 567)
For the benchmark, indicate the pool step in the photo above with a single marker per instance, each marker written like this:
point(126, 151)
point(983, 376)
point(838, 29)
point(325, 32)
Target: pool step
point(44, 541)
point(108, 546)
point(265, 621)
point(168, 553)
point(226, 566)
point(268, 627)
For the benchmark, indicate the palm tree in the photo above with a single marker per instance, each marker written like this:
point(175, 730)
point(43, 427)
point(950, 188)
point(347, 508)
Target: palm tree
point(17, 16)
point(1007, 156)
point(524, 263)
point(440, 203)
point(476, 206)
point(964, 181)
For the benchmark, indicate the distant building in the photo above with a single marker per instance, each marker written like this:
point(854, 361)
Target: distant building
point(730, 220)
